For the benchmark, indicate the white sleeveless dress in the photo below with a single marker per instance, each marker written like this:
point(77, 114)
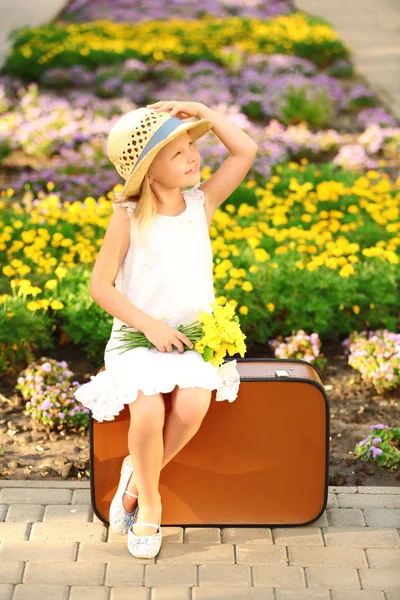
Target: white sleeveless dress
point(170, 277)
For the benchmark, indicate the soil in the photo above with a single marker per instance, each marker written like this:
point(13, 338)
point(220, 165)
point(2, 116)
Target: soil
point(33, 453)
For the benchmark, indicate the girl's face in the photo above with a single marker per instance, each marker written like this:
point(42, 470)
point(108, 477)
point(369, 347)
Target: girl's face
point(172, 164)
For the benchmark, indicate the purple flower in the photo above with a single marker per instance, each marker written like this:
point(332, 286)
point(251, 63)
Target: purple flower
point(376, 451)
point(46, 404)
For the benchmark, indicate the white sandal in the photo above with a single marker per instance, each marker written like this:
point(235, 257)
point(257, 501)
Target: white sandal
point(120, 520)
point(144, 546)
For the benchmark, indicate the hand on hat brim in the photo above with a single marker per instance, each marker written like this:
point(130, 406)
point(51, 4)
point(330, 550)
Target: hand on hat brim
point(178, 109)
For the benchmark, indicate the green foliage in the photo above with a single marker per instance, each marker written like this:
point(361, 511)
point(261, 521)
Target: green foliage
point(83, 320)
point(381, 446)
point(304, 104)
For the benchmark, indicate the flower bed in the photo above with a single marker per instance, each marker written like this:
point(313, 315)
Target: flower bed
point(37, 49)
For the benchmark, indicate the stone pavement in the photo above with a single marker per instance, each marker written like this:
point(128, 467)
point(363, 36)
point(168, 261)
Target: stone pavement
point(53, 548)
point(371, 28)
point(19, 13)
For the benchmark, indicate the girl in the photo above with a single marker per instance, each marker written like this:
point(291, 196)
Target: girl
point(157, 250)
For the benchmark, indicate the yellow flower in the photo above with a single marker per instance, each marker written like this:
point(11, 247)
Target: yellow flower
point(261, 255)
point(56, 305)
point(247, 286)
point(60, 272)
point(243, 310)
point(32, 305)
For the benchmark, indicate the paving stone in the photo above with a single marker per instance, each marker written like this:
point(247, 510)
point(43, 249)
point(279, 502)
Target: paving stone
point(35, 496)
point(95, 518)
point(72, 573)
point(380, 558)
point(300, 536)
point(208, 535)
point(261, 554)
point(339, 489)
point(38, 550)
point(253, 535)
point(335, 556)
point(332, 577)
point(89, 592)
point(278, 576)
point(6, 591)
point(301, 594)
point(11, 571)
point(369, 500)
point(361, 537)
point(380, 578)
point(14, 531)
point(44, 592)
point(130, 593)
point(103, 552)
point(382, 517)
point(25, 512)
point(3, 511)
point(81, 497)
point(172, 534)
point(170, 575)
point(224, 575)
point(321, 522)
point(169, 534)
point(69, 531)
point(170, 593)
point(356, 595)
point(125, 573)
point(196, 553)
point(378, 489)
point(74, 512)
point(332, 501)
point(37, 483)
point(342, 517)
point(208, 592)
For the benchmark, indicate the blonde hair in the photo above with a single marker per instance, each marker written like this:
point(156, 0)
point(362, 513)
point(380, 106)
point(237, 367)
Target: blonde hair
point(146, 207)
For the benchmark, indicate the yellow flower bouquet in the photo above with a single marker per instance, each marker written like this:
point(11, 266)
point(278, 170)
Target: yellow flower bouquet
point(213, 335)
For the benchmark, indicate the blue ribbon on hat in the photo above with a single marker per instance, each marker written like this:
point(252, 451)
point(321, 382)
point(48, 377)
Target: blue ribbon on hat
point(162, 132)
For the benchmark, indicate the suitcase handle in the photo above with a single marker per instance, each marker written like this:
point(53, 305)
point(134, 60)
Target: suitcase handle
point(281, 373)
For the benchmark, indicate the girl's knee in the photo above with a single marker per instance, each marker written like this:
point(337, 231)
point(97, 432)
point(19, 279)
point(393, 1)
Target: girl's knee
point(148, 410)
point(191, 404)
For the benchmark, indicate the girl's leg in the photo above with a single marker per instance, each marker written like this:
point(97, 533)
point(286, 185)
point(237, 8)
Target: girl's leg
point(188, 409)
point(146, 447)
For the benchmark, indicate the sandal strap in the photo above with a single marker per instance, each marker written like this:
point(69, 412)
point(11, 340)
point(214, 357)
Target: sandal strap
point(144, 523)
point(130, 494)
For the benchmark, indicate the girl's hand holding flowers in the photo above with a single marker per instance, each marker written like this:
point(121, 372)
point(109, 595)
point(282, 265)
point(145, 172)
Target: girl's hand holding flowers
point(213, 335)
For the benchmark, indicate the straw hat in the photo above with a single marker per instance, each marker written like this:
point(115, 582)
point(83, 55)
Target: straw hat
point(137, 136)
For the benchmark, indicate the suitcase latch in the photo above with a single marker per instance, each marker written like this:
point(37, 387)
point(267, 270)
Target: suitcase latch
point(281, 373)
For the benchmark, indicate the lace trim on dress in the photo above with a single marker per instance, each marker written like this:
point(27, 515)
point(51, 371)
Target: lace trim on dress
point(105, 399)
point(131, 206)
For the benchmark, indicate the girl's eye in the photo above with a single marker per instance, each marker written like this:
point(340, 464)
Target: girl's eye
point(180, 151)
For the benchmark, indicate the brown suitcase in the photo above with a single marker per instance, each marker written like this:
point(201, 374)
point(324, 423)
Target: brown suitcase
point(261, 460)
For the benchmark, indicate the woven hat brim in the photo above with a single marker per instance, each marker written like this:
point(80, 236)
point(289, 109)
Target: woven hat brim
point(195, 128)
